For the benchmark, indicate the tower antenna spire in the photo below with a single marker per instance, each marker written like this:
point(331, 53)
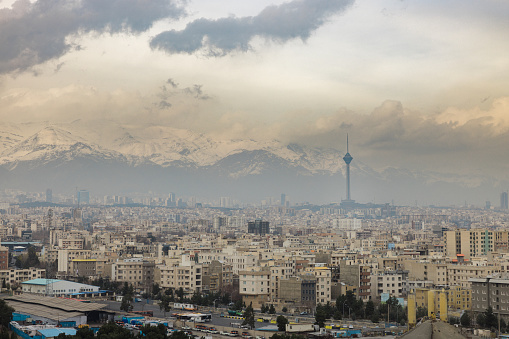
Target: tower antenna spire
point(347, 143)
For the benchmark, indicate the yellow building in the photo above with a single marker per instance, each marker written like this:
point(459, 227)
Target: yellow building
point(459, 298)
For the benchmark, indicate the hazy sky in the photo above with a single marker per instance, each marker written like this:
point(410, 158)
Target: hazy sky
point(417, 84)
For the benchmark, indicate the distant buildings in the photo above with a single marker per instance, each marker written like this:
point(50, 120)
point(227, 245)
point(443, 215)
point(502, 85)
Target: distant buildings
point(504, 201)
point(258, 227)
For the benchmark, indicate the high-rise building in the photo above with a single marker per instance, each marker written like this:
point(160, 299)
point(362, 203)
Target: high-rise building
point(83, 197)
point(49, 195)
point(503, 201)
point(258, 227)
point(348, 159)
point(283, 199)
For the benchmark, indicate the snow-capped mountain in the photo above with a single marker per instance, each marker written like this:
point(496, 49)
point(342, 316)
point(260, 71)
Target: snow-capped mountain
point(158, 145)
point(105, 156)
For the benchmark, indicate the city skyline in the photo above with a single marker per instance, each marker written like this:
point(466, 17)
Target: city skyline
point(422, 86)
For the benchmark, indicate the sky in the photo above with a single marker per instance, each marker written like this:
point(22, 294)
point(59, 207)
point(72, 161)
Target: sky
point(417, 84)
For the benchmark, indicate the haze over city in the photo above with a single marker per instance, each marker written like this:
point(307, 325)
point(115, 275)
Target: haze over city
point(421, 88)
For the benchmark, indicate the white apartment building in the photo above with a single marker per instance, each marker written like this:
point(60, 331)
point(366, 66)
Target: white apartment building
point(254, 286)
point(323, 284)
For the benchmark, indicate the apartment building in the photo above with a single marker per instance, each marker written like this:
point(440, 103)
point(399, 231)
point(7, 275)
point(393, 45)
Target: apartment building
point(217, 276)
point(17, 276)
point(391, 282)
point(135, 271)
point(254, 286)
point(186, 275)
point(4, 258)
point(475, 242)
point(66, 256)
point(299, 291)
point(491, 291)
point(323, 277)
point(459, 298)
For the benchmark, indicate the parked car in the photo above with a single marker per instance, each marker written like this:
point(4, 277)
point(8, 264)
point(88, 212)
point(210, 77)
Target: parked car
point(304, 313)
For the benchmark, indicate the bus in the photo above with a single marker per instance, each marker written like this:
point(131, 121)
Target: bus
point(193, 317)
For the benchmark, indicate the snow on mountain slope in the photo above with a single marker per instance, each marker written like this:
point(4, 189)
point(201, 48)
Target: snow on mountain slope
point(50, 144)
point(163, 146)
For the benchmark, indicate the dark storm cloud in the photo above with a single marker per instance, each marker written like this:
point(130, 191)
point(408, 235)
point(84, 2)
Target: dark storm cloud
point(32, 33)
point(296, 19)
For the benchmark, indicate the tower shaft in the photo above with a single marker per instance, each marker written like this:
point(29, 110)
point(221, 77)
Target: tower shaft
point(347, 181)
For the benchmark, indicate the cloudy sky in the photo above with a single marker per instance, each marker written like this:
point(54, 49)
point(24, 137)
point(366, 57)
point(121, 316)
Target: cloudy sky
point(417, 84)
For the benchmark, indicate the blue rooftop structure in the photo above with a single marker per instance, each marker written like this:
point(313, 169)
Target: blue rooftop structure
point(54, 332)
point(42, 282)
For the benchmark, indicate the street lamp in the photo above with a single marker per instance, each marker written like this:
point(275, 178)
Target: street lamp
point(215, 303)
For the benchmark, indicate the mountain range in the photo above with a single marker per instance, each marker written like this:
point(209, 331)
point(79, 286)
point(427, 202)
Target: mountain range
point(107, 157)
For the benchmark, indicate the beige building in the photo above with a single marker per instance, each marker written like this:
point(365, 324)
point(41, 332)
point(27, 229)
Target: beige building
point(254, 286)
point(14, 276)
point(135, 271)
point(187, 275)
point(323, 285)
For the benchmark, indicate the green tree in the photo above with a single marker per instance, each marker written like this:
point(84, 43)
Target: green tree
point(272, 309)
point(481, 320)
point(127, 298)
point(491, 320)
point(153, 332)
point(320, 315)
point(281, 322)
point(249, 319)
point(284, 309)
point(369, 309)
point(263, 309)
point(5, 314)
point(465, 320)
point(421, 312)
point(111, 330)
point(164, 304)
point(375, 317)
point(85, 333)
point(156, 289)
point(180, 294)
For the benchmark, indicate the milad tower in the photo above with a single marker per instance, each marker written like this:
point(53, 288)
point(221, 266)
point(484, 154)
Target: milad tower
point(348, 159)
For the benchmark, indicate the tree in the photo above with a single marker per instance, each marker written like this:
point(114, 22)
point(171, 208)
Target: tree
point(465, 319)
point(263, 309)
point(156, 289)
point(481, 320)
point(421, 312)
point(491, 320)
point(154, 332)
point(375, 317)
point(5, 314)
point(320, 315)
point(84, 333)
point(14, 336)
point(164, 305)
point(281, 322)
point(127, 299)
point(369, 309)
point(249, 319)
point(272, 309)
point(284, 309)
point(111, 330)
point(180, 294)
